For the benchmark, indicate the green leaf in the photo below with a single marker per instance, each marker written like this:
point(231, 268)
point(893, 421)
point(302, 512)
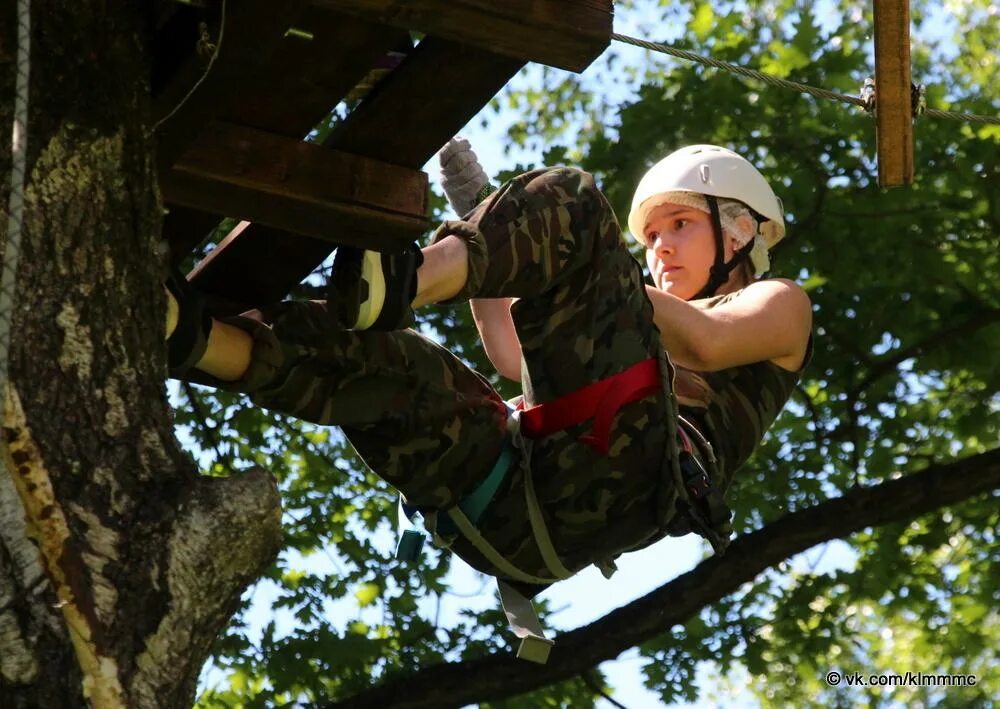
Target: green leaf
point(367, 594)
point(702, 21)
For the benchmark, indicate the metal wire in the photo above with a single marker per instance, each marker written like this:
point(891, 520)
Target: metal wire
point(209, 47)
point(15, 209)
point(786, 84)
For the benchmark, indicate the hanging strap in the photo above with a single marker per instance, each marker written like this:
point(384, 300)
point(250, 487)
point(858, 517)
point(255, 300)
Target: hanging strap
point(521, 617)
point(541, 531)
point(410, 540)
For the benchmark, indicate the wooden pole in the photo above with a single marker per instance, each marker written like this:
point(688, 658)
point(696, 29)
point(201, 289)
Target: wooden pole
point(893, 102)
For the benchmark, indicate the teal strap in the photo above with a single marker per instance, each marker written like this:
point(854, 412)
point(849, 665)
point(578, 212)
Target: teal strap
point(476, 502)
point(411, 540)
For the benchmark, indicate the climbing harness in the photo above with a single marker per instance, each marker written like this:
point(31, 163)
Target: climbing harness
point(462, 519)
point(700, 505)
point(411, 540)
point(599, 401)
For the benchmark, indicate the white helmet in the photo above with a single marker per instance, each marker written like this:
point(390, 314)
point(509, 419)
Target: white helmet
point(708, 170)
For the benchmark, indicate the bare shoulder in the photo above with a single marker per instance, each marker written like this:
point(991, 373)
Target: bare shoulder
point(790, 305)
point(768, 320)
point(779, 294)
point(777, 286)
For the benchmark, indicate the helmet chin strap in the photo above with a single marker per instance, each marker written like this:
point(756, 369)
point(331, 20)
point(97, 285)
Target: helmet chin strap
point(718, 274)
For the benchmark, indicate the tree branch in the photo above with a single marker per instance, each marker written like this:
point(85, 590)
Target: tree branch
point(948, 334)
point(501, 676)
point(594, 686)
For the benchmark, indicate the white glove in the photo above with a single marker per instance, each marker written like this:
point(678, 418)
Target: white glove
point(462, 177)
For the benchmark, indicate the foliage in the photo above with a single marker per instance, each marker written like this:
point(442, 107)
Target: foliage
point(904, 374)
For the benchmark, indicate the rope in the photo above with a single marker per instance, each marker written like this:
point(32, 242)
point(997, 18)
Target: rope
point(965, 117)
point(15, 212)
point(784, 83)
point(203, 42)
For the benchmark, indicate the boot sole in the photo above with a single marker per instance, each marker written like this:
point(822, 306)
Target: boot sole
point(372, 291)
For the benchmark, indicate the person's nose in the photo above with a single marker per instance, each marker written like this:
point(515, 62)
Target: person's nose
point(662, 245)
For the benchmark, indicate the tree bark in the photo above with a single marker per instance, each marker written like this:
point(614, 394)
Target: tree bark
point(502, 676)
point(119, 565)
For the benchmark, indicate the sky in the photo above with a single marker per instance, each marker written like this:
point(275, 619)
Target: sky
point(588, 596)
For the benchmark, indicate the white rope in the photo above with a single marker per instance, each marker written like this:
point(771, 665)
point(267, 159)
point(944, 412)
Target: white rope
point(15, 210)
point(211, 61)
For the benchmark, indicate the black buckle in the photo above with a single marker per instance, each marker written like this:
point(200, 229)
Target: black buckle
point(711, 516)
point(695, 478)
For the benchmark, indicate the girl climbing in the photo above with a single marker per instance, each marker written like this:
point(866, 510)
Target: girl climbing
point(639, 401)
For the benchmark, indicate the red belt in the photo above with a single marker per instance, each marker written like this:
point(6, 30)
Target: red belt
point(599, 401)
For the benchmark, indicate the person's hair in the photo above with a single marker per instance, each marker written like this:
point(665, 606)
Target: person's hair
point(745, 272)
point(741, 277)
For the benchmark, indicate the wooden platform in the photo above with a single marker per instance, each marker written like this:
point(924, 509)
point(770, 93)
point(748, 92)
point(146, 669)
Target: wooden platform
point(274, 135)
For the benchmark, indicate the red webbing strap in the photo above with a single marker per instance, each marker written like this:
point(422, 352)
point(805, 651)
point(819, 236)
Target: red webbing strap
point(599, 401)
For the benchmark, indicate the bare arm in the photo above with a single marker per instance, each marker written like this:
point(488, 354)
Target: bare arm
point(496, 329)
point(769, 320)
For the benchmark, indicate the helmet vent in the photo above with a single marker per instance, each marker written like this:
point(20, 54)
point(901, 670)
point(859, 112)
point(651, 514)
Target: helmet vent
point(706, 173)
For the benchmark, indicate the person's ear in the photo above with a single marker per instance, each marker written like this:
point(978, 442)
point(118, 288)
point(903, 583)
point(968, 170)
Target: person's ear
point(733, 246)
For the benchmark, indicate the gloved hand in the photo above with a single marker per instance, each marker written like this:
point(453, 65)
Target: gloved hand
point(462, 177)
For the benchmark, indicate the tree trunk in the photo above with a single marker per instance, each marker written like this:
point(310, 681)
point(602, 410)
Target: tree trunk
point(119, 565)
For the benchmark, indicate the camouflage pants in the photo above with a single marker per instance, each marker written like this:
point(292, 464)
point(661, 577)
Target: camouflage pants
point(433, 428)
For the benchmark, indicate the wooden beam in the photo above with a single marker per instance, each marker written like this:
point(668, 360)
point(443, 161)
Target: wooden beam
point(568, 34)
point(427, 99)
point(252, 30)
point(322, 57)
point(314, 66)
point(186, 229)
point(405, 121)
point(893, 100)
point(296, 186)
point(237, 278)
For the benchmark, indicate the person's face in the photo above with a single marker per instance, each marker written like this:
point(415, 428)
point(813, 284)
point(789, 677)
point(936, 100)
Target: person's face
point(680, 248)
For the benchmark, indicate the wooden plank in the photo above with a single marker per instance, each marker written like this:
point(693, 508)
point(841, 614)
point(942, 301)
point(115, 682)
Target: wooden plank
point(436, 91)
point(568, 34)
point(296, 186)
point(246, 278)
point(185, 229)
point(893, 101)
point(313, 67)
point(323, 56)
point(405, 121)
point(252, 30)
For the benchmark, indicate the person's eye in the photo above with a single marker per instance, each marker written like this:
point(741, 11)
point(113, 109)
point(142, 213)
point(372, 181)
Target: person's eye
point(651, 237)
point(680, 224)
